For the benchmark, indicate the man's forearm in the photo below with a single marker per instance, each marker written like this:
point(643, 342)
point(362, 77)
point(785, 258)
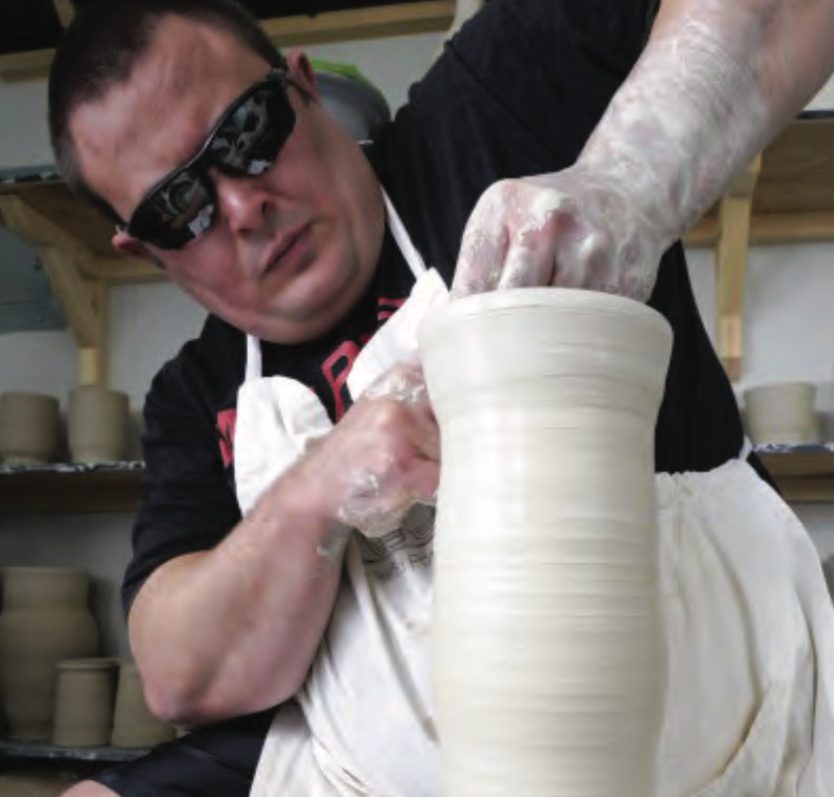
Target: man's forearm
point(715, 83)
point(234, 630)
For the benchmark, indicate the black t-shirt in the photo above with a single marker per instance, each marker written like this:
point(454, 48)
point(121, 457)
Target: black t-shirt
point(516, 93)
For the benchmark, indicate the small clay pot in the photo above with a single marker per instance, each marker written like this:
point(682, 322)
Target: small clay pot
point(84, 694)
point(45, 619)
point(29, 428)
point(36, 785)
point(781, 412)
point(97, 424)
point(133, 723)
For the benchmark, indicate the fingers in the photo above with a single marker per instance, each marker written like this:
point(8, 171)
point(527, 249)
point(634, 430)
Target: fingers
point(527, 267)
point(571, 229)
point(404, 382)
point(482, 251)
point(423, 481)
point(388, 445)
point(375, 508)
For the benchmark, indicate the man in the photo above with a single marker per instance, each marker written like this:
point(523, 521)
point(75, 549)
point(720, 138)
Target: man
point(284, 237)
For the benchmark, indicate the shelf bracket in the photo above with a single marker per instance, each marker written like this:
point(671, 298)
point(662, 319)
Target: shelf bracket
point(84, 300)
point(65, 11)
point(734, 216)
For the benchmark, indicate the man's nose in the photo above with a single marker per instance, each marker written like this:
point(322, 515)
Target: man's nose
point(244, 202)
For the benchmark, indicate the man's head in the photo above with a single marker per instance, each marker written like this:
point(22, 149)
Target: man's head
point(136, 89)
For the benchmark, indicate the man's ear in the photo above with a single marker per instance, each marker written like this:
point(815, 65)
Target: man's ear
point(126, 244)
point(301, 72)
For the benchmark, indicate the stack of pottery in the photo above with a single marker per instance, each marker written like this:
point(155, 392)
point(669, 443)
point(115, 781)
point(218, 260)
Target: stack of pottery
point(825, 410)
point(29, 428)
point(45, 619)
point(781, 413)
point(97, 424)
point(84, 692)
point(133, 723)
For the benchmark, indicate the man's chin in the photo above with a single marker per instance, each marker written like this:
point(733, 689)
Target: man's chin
point(301, 323)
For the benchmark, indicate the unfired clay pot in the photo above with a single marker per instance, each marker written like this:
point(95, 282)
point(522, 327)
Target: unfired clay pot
point(35, 785)
point(547, 641)
point(29, 428)
point(45, 619)
point(97, 424)
point(781, 412)
point(133, 723)
point(84, 694)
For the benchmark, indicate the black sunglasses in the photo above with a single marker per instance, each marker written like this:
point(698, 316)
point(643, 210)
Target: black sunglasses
point(245, 142)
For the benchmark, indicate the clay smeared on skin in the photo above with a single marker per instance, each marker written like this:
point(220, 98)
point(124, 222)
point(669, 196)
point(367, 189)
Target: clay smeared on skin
point(706, 95)
point(658, 137)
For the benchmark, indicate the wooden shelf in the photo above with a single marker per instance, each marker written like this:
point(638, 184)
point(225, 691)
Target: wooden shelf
point(47, 752)
point(330, 26)
point(804, 474)
point(49, 491)
point(786, 195)
point(793, 200)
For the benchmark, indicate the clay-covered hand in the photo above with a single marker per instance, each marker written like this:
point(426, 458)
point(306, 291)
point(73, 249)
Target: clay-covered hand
point(716, 81)
point(382, 457)
point(578, 228)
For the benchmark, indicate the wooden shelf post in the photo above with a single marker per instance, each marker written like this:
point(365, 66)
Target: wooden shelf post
point(734, 216)
point(84, 300)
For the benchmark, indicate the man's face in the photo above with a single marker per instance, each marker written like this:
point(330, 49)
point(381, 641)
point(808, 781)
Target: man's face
point(291, 250)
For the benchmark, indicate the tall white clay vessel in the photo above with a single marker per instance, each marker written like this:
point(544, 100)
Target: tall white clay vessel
point(549, 660)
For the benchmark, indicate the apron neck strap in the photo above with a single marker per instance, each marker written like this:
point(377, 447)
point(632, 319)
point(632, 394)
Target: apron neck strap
point(401, 236)
point(254, 365)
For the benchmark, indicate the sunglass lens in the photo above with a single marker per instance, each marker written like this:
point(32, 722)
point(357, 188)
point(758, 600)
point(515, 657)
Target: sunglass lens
point(180, 210)
point(249, 140)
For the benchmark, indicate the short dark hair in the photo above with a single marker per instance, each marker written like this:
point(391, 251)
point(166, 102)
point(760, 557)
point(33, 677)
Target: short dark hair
point(99, 51)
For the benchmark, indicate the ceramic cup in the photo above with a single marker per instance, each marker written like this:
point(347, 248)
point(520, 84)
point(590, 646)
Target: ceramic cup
point(825, 410)
point(97, 424)
point(32, 784)
point(84, 694)
point(781, 412)
point(29, 428)
point(133, 723)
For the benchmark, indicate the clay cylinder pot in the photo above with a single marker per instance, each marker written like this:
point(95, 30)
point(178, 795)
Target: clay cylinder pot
point(45, 619)
point(30, 784)
point(29, 428)
point(781, 412)
point(84, 693)
point(97, 424)
point(547, 641)
point(133, 723)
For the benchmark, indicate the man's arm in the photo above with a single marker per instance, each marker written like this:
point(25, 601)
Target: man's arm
point(716, 81)
point(234, 630)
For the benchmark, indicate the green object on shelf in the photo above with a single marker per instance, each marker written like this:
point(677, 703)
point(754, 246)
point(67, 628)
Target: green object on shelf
point(351, 98)
point(49, 752)
point(336, 68)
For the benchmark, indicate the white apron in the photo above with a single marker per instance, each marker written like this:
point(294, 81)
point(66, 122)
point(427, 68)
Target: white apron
point(749, 624)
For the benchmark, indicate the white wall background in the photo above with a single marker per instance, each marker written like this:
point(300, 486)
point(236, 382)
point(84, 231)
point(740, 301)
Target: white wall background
point(789, 331)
